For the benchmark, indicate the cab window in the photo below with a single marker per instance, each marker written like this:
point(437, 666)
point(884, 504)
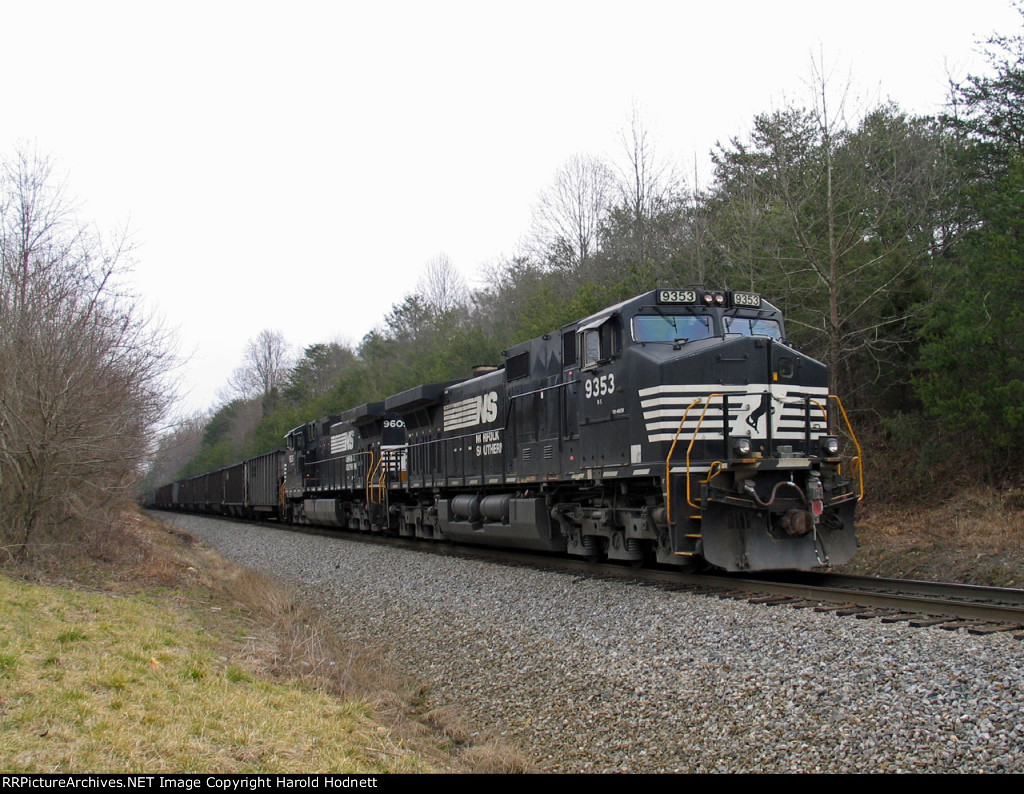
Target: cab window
point(670, 327)
point(598, 342)
point(753, 326)
point(591, 346)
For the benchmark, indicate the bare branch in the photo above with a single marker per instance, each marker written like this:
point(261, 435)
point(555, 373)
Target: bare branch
point(81, 368)
point(568, 215)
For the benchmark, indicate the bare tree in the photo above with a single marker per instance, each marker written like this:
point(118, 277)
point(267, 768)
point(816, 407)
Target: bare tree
point(646, 181)
point(81, 370)
point(265, 366)
point(646, 230)
point(175, 448)
point(442, 287)
point(568, 215)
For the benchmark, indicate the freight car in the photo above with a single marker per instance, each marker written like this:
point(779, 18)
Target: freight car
point(250, 489)
point(678, 426)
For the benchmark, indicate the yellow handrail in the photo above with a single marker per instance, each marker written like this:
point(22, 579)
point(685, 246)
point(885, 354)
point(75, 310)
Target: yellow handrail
point(668, 464)
point(858, 461)
point(370, 472)
point(383, 477)
point(693, 440)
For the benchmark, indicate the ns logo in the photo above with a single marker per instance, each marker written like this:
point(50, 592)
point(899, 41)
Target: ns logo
point(478, 410)
point(488, 407)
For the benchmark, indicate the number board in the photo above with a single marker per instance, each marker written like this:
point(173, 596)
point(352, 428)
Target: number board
point(677, 296)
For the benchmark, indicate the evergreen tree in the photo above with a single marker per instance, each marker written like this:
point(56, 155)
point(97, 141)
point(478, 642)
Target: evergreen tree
point(972, 366)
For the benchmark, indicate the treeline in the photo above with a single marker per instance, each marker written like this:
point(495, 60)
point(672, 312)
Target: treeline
point(893, 243)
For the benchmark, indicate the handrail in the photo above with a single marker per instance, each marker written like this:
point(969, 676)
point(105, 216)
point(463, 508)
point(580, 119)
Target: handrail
point(370, 470)
point(693, 440)
point(668, 463)
point(857, 461)
point(382, 479)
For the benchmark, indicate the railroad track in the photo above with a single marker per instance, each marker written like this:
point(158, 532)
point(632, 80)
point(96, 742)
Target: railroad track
point(972, 608)
point(976, 609)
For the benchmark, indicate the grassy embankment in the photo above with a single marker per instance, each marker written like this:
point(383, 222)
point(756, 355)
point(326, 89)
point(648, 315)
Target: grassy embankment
point(150, 653)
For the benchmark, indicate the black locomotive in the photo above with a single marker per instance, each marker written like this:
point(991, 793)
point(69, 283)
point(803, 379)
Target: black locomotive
point(678, 426)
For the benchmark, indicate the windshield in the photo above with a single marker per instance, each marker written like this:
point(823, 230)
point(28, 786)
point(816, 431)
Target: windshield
point(670, 327)
point(752, 326)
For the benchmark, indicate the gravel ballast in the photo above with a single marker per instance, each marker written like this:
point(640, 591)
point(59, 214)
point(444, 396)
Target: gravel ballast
point(588, 675)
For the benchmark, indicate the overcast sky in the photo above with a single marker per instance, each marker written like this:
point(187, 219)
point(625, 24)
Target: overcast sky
point(296, 166)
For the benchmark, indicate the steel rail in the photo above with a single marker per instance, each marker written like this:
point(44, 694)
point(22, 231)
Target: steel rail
point(963, 601)
point(954, 601)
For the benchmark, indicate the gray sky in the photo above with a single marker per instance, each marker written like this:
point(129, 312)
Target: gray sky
point(296, 166)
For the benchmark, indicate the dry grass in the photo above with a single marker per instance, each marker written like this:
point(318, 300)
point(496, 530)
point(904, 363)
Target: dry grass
point(975, 535)
point(483, 752)
point(94, 683)
point(151, 652)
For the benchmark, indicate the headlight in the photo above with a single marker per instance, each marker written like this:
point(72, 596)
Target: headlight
point(741, 447)
point(829, 446)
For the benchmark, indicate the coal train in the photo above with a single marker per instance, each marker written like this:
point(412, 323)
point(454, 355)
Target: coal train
point(678, 427)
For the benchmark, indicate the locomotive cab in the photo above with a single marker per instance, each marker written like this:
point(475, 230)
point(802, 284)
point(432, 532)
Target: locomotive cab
point(738, 423)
